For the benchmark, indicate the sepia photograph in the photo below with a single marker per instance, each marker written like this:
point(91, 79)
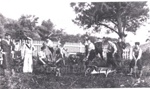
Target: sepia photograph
point(74, 44)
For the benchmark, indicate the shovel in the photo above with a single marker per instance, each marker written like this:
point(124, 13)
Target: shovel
point(135, 67)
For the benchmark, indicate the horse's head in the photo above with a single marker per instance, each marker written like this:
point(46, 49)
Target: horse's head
point(98, 44)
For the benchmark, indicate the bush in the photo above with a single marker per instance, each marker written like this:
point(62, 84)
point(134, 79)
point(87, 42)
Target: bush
point(146, 58)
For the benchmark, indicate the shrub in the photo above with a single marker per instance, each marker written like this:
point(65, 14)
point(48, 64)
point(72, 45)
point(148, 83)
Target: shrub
point(146, 58)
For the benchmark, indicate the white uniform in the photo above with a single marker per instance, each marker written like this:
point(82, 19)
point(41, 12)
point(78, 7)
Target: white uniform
point(28, 62)
point(86, 43)
point(50, 43)
point(91, 47)
point(114, 46)
point(17, 47)
point(1, 57)
point(42, 55)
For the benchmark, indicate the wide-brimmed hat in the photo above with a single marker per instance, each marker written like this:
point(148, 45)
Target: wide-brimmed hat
point(28, 38)
point(6, 34)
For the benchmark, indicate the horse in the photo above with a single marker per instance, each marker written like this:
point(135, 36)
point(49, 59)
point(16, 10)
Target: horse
point(99, 48)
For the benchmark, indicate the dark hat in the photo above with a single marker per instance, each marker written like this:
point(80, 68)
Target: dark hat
point(137, 43)
point(7, 34)
point(107, 39)
point(43, 47)
point(17, 40)
point(98, 38)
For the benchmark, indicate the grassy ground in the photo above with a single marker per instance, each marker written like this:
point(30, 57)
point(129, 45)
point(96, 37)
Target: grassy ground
point(68, 81)
point(76, 80)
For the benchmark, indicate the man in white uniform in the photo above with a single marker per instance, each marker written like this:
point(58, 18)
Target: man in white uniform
point(28, 62)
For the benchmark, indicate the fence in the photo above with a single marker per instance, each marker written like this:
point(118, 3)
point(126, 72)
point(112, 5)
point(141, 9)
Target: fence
point(78, 47)
point(71, 47)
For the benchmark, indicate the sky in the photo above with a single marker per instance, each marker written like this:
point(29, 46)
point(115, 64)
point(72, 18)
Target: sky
point(60, 13)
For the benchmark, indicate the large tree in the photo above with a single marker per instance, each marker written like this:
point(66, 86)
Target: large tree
point(24, 26)
point(118, 17)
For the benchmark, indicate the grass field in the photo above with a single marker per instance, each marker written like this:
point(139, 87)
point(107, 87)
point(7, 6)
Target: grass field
point(68, 81)
point(41, 80)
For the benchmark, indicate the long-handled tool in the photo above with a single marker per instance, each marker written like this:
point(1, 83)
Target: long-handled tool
point(135, 67)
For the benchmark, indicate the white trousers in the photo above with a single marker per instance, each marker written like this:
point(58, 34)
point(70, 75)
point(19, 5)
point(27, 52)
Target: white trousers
point(28, 64)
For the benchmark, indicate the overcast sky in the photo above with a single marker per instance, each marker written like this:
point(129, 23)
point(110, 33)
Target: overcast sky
point(60, 13)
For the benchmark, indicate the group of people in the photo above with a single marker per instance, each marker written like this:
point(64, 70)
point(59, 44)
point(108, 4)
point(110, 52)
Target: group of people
point(23, 49)
point(113, 49)
point(49, 53)
point(11, 50)
point(114, 54)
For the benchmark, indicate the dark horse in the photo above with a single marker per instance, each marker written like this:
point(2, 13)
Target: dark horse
point(93, 54)
point(94, 60)
point(99, 49)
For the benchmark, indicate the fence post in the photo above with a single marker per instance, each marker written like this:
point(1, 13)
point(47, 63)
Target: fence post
point(130, 53)
point(80, 47)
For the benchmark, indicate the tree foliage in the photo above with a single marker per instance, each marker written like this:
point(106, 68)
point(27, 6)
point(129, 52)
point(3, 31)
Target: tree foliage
point(45, 29)
point(116, 16)
point(23, 27)
point(26, 25)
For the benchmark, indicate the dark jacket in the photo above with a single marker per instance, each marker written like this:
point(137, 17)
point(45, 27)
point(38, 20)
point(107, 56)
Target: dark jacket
point(7, 48)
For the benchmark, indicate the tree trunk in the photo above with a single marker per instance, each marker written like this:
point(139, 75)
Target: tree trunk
point(120, 29)
point(119, 25)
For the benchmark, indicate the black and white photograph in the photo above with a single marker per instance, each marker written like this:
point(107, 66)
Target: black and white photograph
point(64, 44)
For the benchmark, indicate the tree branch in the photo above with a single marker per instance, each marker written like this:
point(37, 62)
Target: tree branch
point(113, 22)
point(108, 27)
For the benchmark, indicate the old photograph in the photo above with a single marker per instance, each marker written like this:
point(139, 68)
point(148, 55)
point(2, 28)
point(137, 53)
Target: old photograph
point(74, 44)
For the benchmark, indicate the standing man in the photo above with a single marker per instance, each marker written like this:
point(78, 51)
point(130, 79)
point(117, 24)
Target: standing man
point(136, 61)
point(91, 52)
point(112, 50)
point(28, 62)
point(8, 48)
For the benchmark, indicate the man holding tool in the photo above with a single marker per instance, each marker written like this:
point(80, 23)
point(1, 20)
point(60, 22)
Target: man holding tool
point(136, 62)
